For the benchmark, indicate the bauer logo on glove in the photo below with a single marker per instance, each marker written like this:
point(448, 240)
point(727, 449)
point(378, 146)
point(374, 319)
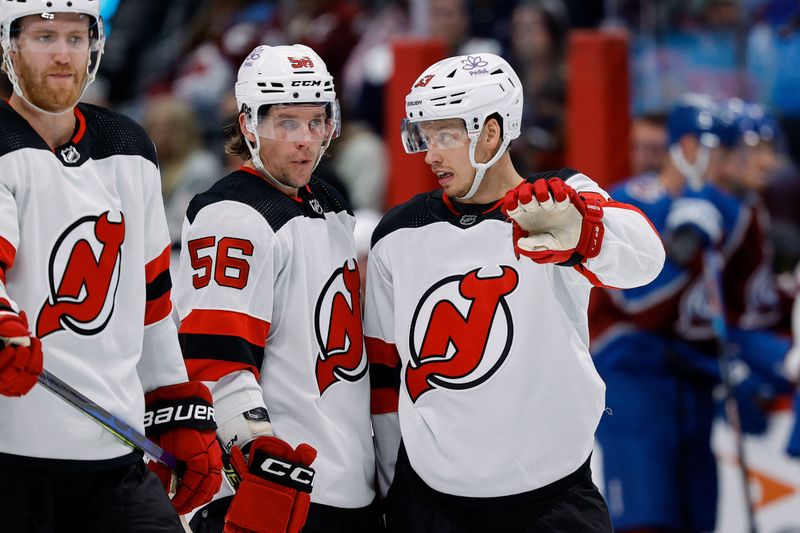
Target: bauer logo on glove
point(553, 223)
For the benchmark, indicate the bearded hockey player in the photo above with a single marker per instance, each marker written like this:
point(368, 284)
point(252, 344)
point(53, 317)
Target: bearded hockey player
point(84, 252)
point(485, 399)
point(268, 296)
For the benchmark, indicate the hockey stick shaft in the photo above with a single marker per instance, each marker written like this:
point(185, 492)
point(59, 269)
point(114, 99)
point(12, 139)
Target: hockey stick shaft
point(113, 424)
point(711, 275)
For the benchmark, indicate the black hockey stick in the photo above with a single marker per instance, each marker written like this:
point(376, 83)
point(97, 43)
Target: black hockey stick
point(711, 275)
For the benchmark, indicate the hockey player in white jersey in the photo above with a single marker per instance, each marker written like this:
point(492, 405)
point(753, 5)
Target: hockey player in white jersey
point(84, 251)
point(268, 293)
point(484, 396)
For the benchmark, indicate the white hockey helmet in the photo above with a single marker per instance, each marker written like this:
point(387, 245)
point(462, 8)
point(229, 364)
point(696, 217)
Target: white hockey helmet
point(292, 74)
point(284, 75)
point(13, 10)
point(470, 88)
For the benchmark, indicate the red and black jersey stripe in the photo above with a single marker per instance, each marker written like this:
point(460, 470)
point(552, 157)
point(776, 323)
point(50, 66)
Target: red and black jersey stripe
point(157, 288)
point(216, 343)
point(384, 375)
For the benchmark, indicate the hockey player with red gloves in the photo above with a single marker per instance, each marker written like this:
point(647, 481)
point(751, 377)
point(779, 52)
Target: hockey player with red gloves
point(477, 297)
point(84, 250)
point(268, 294)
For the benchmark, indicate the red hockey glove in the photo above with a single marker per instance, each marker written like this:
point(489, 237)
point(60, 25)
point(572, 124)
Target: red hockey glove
point(274, 493)
point(552, 223)
point(180, 419)
point(20, 353)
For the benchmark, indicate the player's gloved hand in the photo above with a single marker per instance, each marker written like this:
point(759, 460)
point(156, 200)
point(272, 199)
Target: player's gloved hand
point(552, 223)
point(275, 488)
point(753, 395)
point(180, 419)
point(693, 224)
point(20, 353)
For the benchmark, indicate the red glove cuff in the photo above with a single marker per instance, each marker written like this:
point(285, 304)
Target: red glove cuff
point(590, 206)
point(182, 405)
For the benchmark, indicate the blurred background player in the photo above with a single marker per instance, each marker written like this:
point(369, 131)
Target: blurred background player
point(84, 249)
point(655, 346)
point(478, 346)
point(268, 293)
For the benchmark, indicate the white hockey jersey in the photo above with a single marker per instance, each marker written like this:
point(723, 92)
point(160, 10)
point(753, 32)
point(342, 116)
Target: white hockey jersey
point(481, 360)
point(84, 251)
point(268, 293)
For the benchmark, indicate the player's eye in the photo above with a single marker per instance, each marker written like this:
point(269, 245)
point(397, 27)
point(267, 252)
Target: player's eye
point(77, 41)
point(289, 125)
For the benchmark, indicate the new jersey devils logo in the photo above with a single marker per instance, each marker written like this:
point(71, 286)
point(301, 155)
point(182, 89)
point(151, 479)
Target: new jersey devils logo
point(83, 274)
point(337, 321)
point(463, 339)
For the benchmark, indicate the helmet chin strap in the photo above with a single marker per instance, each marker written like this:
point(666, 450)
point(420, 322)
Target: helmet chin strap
point(694, 173)
point(481, 168)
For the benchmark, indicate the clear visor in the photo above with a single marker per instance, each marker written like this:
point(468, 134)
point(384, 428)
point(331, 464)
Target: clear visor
point(437, 134)
point(49, 33)
point(314, 122)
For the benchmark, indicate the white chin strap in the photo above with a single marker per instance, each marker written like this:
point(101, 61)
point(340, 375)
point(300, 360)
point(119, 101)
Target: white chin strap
point(481, 168)
point(255, 151)
point(694, 173)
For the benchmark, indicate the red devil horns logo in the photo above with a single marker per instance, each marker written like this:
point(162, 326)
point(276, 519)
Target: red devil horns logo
point(337, 320)
point(83, 300)
point(469, 336)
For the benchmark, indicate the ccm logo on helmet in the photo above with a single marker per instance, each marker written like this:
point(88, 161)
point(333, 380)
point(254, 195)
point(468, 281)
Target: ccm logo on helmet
point(306, 83)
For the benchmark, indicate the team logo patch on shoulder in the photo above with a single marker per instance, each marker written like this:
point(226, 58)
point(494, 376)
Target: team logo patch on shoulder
point(461, 332)
point(338, 328)
point(83, 276)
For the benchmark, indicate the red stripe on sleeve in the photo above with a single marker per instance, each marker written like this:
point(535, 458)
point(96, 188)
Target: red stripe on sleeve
point(157, 266)
point(381, 352)
point(383, 401)
point(215, 322)
point(156, 310)
point(214, 369)
point(592, 277)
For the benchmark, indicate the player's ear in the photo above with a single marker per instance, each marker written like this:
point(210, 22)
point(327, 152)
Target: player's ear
point(244, 127)
point(492, 133)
